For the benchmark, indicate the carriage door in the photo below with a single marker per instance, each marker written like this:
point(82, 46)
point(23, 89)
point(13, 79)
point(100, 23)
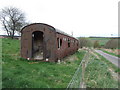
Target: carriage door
point(37, 45)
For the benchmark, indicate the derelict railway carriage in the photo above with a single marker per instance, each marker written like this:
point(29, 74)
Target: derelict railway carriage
point(43, 42)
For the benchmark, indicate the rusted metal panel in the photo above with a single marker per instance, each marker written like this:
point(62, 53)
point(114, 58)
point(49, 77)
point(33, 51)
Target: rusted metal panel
point(50, 50)
point(65, 49)
point(48, 41)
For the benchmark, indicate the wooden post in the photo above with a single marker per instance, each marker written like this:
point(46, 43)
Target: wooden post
point(83, 72)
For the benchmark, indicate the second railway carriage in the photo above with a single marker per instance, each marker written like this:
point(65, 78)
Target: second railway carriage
point(41, 41)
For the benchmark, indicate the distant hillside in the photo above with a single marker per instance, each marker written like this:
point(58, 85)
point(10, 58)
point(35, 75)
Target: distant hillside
point(102, 37)
point(102, 40)
point(6, 36)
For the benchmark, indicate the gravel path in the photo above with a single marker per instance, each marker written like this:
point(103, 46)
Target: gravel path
point(115, 60)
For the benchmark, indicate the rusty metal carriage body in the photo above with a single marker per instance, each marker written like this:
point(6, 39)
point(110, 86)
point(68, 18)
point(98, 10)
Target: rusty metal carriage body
point(43, 42)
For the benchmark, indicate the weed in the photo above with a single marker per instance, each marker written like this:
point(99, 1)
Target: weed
point(98, 76)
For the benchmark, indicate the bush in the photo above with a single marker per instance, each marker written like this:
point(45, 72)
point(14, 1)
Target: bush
point(113, 43)
point(96, 44)
point(85, 42)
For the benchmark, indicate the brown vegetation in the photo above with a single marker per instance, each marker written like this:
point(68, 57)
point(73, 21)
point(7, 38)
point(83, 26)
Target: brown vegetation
point(96, 44)
point(115, 51)
point(112, 44)
point(85, 42)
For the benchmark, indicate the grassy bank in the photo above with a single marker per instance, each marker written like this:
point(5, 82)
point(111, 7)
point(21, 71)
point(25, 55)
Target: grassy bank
point(20, 73)
point(0, 63)
point(10, 46)
point(97, 75)
point(110, 53)
point(102, 41)
point(109, 64)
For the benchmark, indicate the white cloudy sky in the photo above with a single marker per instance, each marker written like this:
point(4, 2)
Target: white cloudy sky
point(82, 17)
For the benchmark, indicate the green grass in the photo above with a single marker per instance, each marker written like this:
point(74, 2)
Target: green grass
point(110, 53)
point(0, 63)
point(10, 46)
point(20, 73)
point(111, 65)
point(98, 76)
point(102, 41)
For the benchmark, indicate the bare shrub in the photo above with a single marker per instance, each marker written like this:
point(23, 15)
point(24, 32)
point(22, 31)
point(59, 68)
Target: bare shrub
point(113, 43)
point(85, 42)
point(96, 44)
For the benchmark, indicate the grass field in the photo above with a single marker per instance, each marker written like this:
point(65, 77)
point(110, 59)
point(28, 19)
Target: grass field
point(97, 75)
point(109, 64)
point(0, 63)
point(102, 41)
point(20, 73)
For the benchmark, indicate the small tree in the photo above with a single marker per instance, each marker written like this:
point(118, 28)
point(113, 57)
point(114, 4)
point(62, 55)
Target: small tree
point(96, 44)
point(84, 42)
point(12, 20)
point(113, 43)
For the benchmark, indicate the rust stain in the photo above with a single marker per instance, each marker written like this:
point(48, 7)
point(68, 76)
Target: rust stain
point(45, 43)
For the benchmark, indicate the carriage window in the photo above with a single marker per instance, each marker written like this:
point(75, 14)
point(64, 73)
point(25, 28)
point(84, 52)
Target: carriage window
point(68, 42)
point(65, 39)
point(74, 42)
point(77, 44)
point(59, 41)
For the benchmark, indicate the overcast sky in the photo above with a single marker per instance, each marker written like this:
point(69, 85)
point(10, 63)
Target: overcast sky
point(82, 17)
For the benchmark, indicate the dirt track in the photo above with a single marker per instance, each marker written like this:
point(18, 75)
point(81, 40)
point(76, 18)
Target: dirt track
point(115, 60)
